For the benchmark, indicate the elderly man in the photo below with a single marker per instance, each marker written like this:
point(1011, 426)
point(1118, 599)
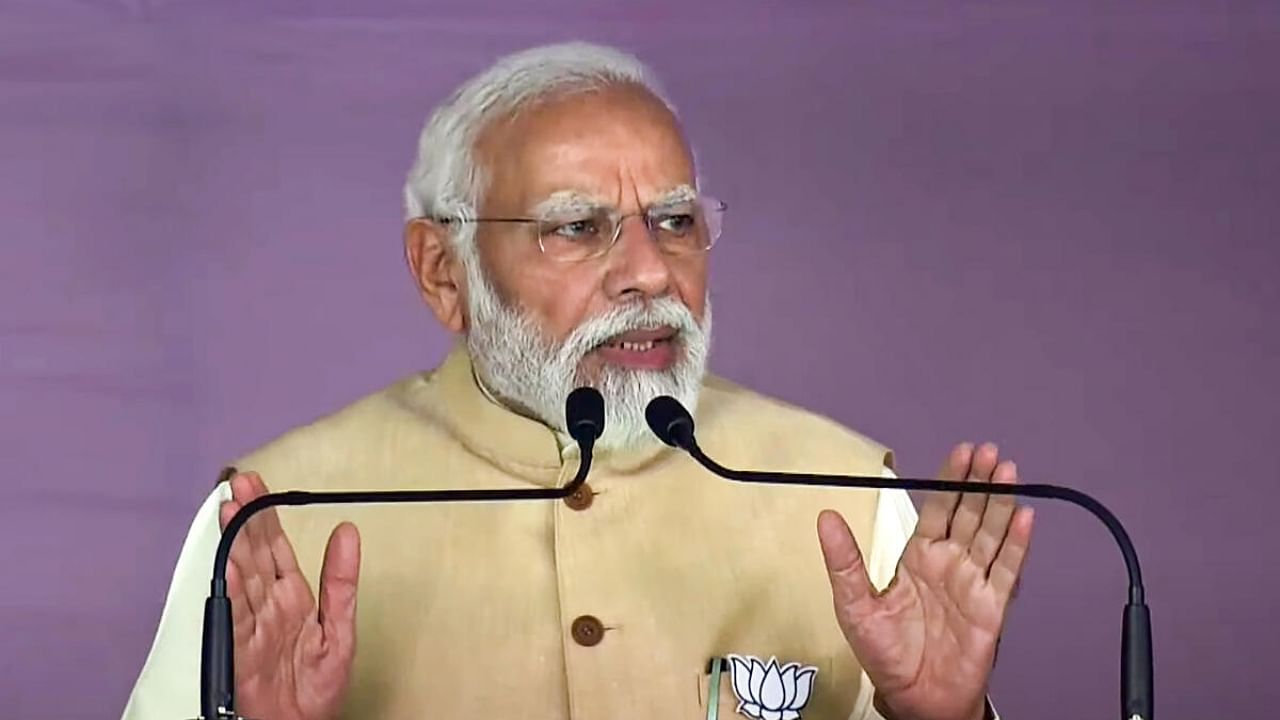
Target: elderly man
point(557, 227)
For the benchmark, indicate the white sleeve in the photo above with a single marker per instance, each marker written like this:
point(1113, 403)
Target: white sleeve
point(169, 686)
point(895, 521)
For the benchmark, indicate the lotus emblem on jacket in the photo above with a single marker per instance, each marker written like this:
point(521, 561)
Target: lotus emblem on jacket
point(769, 692)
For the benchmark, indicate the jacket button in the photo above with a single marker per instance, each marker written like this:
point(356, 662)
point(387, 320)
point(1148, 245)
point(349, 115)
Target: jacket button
point(581, 498)
point(587, 630)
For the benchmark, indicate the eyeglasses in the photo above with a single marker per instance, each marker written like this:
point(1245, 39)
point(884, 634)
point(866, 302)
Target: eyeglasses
point(575, 235)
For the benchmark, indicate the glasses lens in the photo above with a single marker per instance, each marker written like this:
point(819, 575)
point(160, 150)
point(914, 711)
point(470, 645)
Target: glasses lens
point(573, 236)
point(713, 219)
point(688, 227)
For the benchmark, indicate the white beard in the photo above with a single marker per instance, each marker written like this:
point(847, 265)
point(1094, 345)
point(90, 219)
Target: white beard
point(533, 375)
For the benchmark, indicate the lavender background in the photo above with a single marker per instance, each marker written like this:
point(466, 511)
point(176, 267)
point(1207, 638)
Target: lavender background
point(1051, 225)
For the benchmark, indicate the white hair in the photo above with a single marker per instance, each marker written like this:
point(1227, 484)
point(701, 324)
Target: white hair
point(445, 180)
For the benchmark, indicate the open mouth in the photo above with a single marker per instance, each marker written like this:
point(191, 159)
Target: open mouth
point(650, 349)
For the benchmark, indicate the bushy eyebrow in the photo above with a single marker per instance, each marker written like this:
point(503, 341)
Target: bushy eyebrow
point(566, 201)
point(675, 196)
point(571, 201)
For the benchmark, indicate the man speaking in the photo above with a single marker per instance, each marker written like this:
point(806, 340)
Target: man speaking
point(556, 225)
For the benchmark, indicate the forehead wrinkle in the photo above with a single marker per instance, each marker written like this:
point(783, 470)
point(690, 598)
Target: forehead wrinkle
point(627, 176)
point(684, 192)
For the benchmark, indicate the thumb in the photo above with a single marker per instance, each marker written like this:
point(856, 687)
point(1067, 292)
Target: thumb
point(338, 578)
point(851, 588)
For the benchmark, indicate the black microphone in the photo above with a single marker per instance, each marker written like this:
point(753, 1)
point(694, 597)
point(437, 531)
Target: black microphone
point(673, 424)
point(584, 419)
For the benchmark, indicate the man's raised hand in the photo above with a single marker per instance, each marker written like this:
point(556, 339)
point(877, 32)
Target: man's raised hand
point(928, 641)
point(293, 656)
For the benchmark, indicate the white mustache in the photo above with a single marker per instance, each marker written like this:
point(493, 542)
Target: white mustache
point(663, 312)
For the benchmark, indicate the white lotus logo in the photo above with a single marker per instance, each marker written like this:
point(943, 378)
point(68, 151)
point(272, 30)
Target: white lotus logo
point(769, 692)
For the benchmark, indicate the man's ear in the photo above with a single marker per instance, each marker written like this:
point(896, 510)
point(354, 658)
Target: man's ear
point(437, 270)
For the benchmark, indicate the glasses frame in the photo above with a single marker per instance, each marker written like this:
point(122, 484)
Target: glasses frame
point(719, 206)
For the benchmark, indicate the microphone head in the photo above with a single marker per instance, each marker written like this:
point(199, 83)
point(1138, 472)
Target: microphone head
point(584, 415)
point(669, 420)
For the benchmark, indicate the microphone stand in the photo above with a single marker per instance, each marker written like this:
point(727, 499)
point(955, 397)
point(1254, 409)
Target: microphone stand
point(673, 424)
point(584, 413)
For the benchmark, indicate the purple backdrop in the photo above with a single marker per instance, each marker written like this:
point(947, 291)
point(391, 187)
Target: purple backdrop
point(1055, 227)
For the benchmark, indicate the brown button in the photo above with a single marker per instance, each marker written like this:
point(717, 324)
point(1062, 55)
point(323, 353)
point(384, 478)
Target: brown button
point(581, 498)
point(587, 630)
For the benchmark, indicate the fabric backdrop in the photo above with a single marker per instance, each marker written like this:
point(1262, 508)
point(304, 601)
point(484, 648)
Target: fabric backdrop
point(1050, 225)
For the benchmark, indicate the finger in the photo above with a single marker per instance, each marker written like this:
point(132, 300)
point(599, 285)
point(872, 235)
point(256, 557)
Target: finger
point(995, 521)
point(851, 591)
point(283, 558)
point(1007, 567)
point(339, 576)
point(246, 488)
point(241, 558)
point(968, 515)
point(243, 620)
point(935, 515)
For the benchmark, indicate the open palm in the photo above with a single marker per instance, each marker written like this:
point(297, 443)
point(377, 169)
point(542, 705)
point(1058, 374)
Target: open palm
point(293, 656)
point(928, 641)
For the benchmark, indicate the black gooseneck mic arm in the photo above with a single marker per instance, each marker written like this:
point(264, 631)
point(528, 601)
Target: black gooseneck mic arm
point(584, 415)
point(673, 424)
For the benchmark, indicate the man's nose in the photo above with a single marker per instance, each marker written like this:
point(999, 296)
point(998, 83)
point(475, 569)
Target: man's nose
point(637, 268)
